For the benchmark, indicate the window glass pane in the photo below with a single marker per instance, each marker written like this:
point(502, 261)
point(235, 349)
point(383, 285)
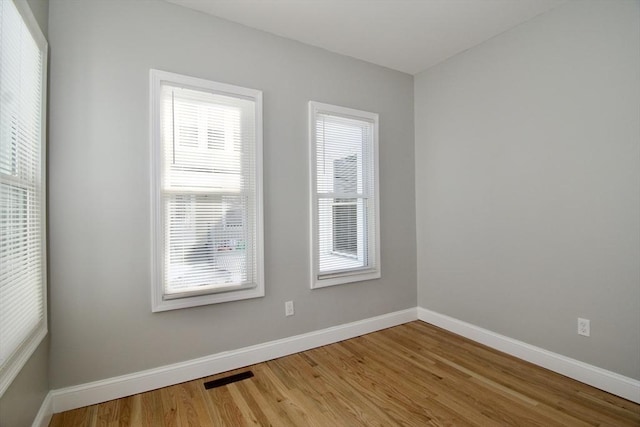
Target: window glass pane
point(21, 289)
point(345, 227)
point(340, 144)
point(207, 138)
point(341, 234)
point(207, 241)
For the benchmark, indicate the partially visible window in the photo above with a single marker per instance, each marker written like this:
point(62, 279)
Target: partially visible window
point(207, 145)
point(344, 192)
point(23, 317)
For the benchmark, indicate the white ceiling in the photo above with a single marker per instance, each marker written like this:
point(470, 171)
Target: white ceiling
point(405, 35)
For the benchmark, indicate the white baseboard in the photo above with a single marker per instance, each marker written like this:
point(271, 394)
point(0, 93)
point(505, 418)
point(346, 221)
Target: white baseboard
point(608, 381)
point(113, 388)
point(43, 417)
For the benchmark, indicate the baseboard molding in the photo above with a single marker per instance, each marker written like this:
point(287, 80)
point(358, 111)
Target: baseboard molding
point(43, 417)
point(113, 388)
point(608, 381)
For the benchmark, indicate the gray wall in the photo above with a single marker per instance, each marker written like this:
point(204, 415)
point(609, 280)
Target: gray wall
point(22, 400)
point(528, 183)
point(101, 318)
point(40, 10)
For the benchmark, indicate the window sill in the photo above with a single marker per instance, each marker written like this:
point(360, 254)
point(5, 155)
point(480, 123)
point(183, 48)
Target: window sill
point(15, 364)
point(161, 304)
point(326, 280)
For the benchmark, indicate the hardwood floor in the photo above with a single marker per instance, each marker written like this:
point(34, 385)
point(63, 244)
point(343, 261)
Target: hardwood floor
point(414, 374)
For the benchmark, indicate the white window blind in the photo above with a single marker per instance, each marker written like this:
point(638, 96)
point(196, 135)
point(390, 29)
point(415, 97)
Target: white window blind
point(22, 201)
point(344, 195)
point(208, 246)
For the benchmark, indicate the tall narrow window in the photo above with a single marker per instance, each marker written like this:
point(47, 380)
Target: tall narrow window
point(207, 145)
point(23, 317)
point(344, 195)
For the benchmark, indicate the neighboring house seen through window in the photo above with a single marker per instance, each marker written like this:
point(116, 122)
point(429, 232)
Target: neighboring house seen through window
point(345, 211)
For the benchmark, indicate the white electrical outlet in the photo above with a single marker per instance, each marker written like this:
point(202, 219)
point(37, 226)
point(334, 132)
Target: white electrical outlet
point(584, 327)
point(288, 308)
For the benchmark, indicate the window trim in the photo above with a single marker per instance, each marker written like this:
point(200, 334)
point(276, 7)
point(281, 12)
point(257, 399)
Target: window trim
point(158, 303)
point(339, 277)
point(14, 364)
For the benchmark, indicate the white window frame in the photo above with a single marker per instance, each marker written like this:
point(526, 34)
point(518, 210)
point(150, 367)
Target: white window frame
point(12, 367)
point(193, 299)
point(372, 270)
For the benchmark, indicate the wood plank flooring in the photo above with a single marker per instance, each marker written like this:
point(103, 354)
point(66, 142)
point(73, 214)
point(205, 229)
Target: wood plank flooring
point(411, 375)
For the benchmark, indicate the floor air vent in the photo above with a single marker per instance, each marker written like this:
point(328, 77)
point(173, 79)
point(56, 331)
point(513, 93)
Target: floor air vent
point(228, 380)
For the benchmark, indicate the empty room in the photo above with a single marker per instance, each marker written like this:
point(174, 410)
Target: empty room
point(319, 212)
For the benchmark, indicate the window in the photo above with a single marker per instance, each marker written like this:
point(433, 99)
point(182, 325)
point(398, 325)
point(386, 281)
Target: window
point(344, 195)
point(23, 317)
point(207, 192)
